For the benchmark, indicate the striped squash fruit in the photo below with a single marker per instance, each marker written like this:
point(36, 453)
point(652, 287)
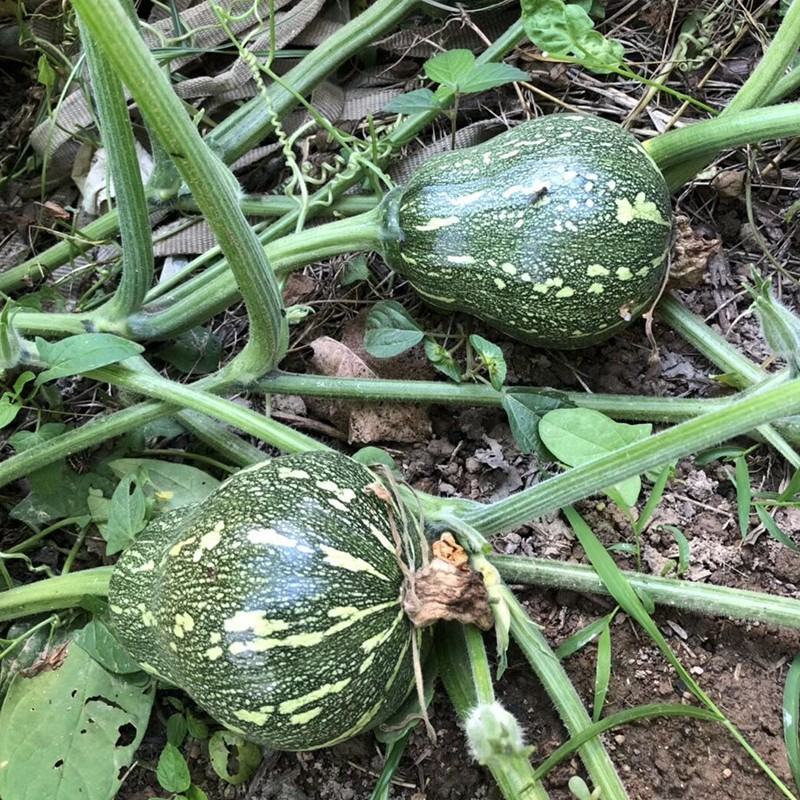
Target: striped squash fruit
point(275, 603)
point(556, 232)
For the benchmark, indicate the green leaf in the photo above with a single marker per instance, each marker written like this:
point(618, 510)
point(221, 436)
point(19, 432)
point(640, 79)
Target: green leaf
point(32, 643)
point(172, 485)
point(98, 641)
point(491, 357)
point(406, 718)
point(172, 771)
point(126, 515)
point(177, 728)
point(24, 440)
point(656, 494)
point(624, 594)
point(8, 410)
point(72, 719)
point(196, 351)
point(412, 102)
point(44, 503)
point(576, 436)
point(780, 326)
point(196, 793)
point(450, 68)
point(524, 412)
point(355, 270)
point(83, 353)
point(441, 359)
point(196, 727)
point(22, 379)
point(11, 343)
point(567, 31)
point(718, 453)
point(247, 755)
point(45, 74)
point(684, 552)
point(390, 330)
point(490, 76)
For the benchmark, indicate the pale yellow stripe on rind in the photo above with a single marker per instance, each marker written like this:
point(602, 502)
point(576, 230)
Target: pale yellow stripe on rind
point(399, 662)
point(344, 560)
point(305, 716)
point(256, 621)
point(327, 689)
point(269, 536)
point(376, 641)
point(435, 223)
point(256, 717)
point(381, 538)
point(260, 645)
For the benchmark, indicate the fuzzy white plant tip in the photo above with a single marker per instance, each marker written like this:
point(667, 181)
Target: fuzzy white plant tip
point(494, 733)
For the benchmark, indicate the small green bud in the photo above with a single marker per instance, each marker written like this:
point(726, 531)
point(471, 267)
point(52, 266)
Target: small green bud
point(781, 327)
point(11, 343)
point(493, 733)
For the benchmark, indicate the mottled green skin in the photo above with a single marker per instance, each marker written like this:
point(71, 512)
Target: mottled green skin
point(555, 232)
point(322, 669)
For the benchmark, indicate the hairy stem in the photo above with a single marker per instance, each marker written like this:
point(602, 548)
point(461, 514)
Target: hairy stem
point(134, 218)
point(212, 184)
point(706, 139)
point(619, 406)
point(697, 598)
point(65, 591)
point(688, 437)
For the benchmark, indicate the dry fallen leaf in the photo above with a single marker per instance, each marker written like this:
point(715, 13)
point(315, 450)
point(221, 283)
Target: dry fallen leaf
point(363, 423)
point(690, 255)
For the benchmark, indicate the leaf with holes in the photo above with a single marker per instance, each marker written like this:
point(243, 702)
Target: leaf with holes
point(390, 331)
point(174, 485)
point(222, 745)
point(70, 731)
point(568, 31)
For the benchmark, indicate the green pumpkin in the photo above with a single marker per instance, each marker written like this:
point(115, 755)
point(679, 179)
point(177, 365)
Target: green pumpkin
point(556, 232)
point(276, 603)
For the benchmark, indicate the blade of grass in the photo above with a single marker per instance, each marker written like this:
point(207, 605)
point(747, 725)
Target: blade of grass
point(791, 710)
point(602, 673)
point(624, 594)
point(394, 752)
point(774, 531)
point(625, 717)
point(584, 636)
point(744, 494)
